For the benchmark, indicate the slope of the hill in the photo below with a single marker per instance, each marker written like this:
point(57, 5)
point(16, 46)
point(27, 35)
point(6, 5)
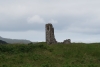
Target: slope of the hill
point(12, 41)
point(2, 42)
point(42, 55)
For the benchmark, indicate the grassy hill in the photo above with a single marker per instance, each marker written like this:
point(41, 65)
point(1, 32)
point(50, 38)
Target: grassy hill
point(42, 55)
point(12, 41)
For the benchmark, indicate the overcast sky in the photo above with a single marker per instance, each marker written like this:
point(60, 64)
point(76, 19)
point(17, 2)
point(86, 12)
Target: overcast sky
point(78, 20)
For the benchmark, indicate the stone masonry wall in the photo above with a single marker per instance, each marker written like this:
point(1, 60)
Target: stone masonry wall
point(50, 37)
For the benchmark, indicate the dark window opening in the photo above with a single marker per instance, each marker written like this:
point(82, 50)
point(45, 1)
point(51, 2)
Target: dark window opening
point(47, 27)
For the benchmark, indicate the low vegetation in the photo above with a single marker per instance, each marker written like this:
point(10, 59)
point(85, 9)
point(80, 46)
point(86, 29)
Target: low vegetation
point(43, 55)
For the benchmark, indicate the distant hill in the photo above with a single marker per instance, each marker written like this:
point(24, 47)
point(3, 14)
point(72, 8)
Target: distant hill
point(11, 41)
point(3, 42)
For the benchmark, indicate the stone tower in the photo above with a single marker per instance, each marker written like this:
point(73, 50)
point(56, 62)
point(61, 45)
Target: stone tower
point(50, 37)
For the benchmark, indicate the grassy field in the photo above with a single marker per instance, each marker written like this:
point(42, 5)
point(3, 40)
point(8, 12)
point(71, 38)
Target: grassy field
point(42, 55)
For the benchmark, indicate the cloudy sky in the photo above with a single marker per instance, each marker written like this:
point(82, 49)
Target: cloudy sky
point(78, 20)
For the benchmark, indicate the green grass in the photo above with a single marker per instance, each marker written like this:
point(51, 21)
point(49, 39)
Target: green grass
point(43, 55)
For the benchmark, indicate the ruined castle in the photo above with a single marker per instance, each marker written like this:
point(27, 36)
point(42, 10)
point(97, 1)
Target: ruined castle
point(50, 37)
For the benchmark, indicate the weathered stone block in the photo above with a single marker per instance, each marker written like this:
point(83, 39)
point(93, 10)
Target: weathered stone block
point(67, 41)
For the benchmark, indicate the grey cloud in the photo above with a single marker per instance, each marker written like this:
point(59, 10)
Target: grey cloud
point(88, 26)
point(21, 24)
point(69, 14)
point(71, 23)
point(78, 20)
